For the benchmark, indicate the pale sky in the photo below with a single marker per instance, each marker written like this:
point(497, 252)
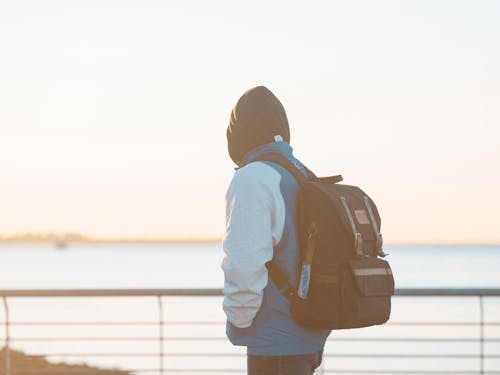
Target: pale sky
point(113, 113)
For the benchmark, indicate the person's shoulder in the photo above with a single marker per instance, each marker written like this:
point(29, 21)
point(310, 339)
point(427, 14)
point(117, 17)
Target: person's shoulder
point(255, 176)
point(257, 171)
point(256, 186)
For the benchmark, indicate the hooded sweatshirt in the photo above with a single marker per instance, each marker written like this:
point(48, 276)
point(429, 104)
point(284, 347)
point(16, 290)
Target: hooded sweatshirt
point(255, 120)
point(261, 225)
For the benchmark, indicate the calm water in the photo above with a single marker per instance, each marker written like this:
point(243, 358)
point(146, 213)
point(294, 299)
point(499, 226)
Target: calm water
point(198, 266)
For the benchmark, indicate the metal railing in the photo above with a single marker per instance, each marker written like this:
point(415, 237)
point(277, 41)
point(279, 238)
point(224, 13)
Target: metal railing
point(456, 342)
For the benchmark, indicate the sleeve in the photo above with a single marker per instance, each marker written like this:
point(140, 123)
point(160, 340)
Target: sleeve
point(252, 229)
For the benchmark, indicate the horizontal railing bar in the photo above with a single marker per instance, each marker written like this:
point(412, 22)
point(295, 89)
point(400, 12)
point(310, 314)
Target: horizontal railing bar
point(197, 370)
point(421, 356)
point(115, 323)
point(335, 371)
point(397, 372)
point(36, 370)
point(83, 323)
point(106, 339)
point(111, 292)
point(116, 338)
point(464, 324)
point(241, 370)
point(145, 323)
point(68, 370)
point(204, 371)
point(218, 355)
point(102, 354)
point(396, 339)
point(346, 355)
point(447, 292)
point(402, 292)
point(207, 338)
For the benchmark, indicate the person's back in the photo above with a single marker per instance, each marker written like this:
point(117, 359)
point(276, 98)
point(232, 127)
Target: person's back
point(261, 225)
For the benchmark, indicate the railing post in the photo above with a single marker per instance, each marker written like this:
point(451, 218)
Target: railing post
point(7, 336)
point(481, 335)
point(160, 309)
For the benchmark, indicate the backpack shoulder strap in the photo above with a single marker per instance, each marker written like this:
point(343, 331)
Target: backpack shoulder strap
point(276, 273)
point(284, 162)
point(278, 276)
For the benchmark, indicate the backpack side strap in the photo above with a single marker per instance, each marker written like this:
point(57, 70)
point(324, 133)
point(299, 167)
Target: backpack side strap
point(280, 279)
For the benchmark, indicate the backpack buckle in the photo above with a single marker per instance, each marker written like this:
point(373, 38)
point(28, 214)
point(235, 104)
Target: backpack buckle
point(358, 244)
point(376, 229)
point(288, 291)
point(358, 239)
point(380, 242)
point(313, 230)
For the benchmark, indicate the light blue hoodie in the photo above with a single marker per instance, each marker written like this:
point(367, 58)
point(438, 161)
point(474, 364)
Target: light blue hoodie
point(261, 225)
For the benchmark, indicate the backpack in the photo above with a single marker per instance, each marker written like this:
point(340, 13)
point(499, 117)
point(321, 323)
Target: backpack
point(343, 280)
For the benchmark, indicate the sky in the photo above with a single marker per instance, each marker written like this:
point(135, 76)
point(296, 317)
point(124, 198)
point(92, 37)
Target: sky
point(113, 113)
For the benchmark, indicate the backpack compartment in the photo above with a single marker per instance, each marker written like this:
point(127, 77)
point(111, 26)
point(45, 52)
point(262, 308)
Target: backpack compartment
point(320, 309)
point(319, 206)
point(367, 287)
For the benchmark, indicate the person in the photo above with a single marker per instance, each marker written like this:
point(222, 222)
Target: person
point(260, 226)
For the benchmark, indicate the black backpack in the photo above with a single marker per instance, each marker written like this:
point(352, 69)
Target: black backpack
point(343, 282)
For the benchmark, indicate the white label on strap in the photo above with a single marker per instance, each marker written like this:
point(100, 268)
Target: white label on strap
point(372, 271)
point(304, 280)
point(278, 138)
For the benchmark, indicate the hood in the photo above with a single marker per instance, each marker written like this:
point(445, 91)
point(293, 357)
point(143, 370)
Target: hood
point(257, 118)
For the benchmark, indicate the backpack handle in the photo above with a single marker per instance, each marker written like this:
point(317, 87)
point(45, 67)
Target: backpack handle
point(330, 179)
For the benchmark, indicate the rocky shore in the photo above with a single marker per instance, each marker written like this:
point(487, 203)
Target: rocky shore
point(24, 364)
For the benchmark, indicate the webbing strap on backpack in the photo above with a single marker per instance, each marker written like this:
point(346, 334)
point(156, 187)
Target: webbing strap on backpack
point(280, 279)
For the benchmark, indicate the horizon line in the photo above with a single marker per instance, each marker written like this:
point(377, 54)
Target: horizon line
point(78, 237)
point(166, 240)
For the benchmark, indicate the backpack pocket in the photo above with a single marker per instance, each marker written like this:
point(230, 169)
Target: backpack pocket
point(367, 287)
point(321, 307)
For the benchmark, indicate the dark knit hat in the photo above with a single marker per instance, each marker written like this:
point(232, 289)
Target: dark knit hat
point(255, 120)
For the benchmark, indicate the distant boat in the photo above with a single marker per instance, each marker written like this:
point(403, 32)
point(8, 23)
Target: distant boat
point(60, 244)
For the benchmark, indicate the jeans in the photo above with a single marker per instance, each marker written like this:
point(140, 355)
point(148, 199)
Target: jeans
point(303, 364)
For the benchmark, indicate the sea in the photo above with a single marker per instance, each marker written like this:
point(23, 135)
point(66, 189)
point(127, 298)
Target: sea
point(424, 335)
